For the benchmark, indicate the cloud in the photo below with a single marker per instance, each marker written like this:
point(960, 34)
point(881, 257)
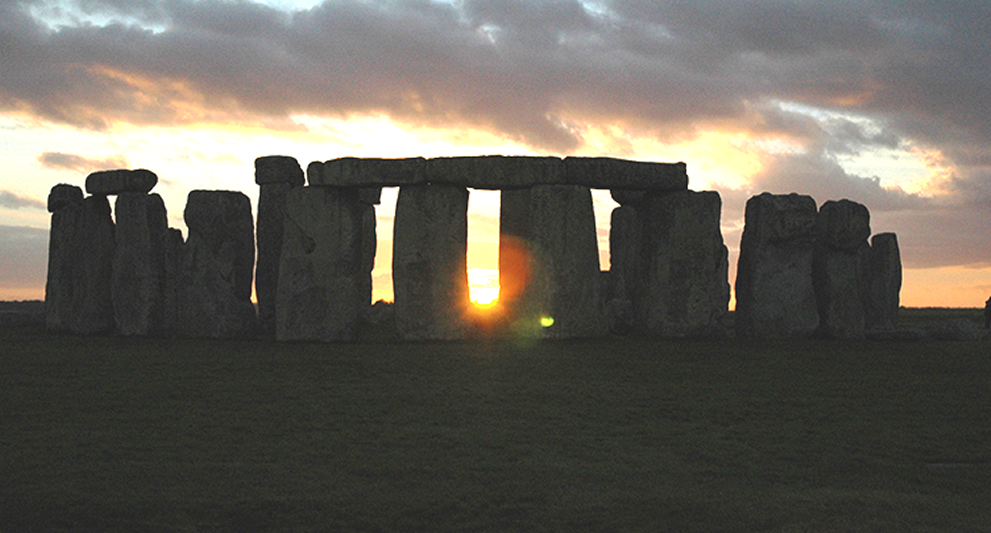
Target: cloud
point(59, 160)
point(11, 200)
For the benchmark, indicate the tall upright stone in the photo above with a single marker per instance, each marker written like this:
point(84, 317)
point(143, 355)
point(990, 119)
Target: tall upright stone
point(624, 252)
point(217, 266)
point(369, 244)
point(549, 262)
point(173, 261)
point(429, 262)
point(775, 297)
point(884, 282)
point(276, 176)
point(80, 260)
point(840, 268)
point(319, 294)
point(139, 266)
point(683, 289)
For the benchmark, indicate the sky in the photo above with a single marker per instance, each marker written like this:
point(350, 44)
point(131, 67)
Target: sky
point(882, 102)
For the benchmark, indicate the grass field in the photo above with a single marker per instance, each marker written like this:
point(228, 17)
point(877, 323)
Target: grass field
point(153, 435)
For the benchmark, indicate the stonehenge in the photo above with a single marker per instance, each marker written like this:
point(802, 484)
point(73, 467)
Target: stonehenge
point(802, 271)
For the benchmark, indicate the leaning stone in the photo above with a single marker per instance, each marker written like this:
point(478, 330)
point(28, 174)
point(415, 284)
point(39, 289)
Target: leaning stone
point(121, 181)
point(366, 172)
point(217, 265)
point(683, 288)
point(884, 282)
point(548, 257)
point(495, 171)
point(80, 260)
point(775, 297)
point(139, 266)
point(429, 262)
point(840, 268)
point(63, 195)
point(319, 292)
point(610, 173)
point(278, 169)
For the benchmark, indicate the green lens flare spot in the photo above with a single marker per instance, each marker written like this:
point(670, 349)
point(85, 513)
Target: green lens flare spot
point(546, 321)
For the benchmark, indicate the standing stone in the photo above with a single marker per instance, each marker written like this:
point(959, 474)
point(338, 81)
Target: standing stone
point(173, 260)
point(884, 282)
point(215, 272)
point(549, 262)
point(840, 268)
point(429, 262)
point(624, 252)
point(683, 288)
point(775, 297)
point(80, 260)
point(276, 176)
point(369, 243)
point(319, 291)
point(139, 267)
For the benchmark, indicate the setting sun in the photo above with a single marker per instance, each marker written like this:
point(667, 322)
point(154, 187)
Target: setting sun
point(483, 285)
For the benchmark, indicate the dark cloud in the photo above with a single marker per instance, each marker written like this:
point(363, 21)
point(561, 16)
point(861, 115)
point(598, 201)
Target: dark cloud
point(59, 160)
point(10, 200)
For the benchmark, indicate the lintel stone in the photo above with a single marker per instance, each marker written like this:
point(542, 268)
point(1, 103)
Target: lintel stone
point(121, 180)
point(611, 173)
point(364, 172)
point(496, 171)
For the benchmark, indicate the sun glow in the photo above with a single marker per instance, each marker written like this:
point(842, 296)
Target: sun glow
point(483, 286)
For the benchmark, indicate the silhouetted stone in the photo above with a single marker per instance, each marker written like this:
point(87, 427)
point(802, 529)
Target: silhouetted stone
point(320, 284)
point(121, 181)
point(683, 288)
point(495, 171)
point(364, 172)
point(217, 266)
point(139, 266)
point(610, 173)
point(549, 276)
point(628, 197)
point(884, 282)
point(278, 169)
point(276, 175)
point(369, 243)
point(840, 268)
point(80, 260)
point(429, 269)
point(63, 195)
point(624, 252)
point(774, 292)
point(173, 263)
point(956, 329)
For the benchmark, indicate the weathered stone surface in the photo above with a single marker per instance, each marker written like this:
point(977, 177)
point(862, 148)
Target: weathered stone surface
point(319, 292)
point(173, 261)
point(63, 195)
point(364, 172)
point(624, 252)
point(80, 260)
point(217, 265)
point(775, 297)
point(683, 288)
point(610, 173)
point(429, 262)
point(121, 181)
point(549, 276)
point(271, 213)
point(139, 266)
point(495, 171)
point(840, 268)
point(278, 169)
point(884, 282)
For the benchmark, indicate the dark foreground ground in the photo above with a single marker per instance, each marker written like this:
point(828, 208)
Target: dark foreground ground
point(156, 435)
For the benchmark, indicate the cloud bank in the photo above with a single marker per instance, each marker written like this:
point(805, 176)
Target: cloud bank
point(822, 80)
